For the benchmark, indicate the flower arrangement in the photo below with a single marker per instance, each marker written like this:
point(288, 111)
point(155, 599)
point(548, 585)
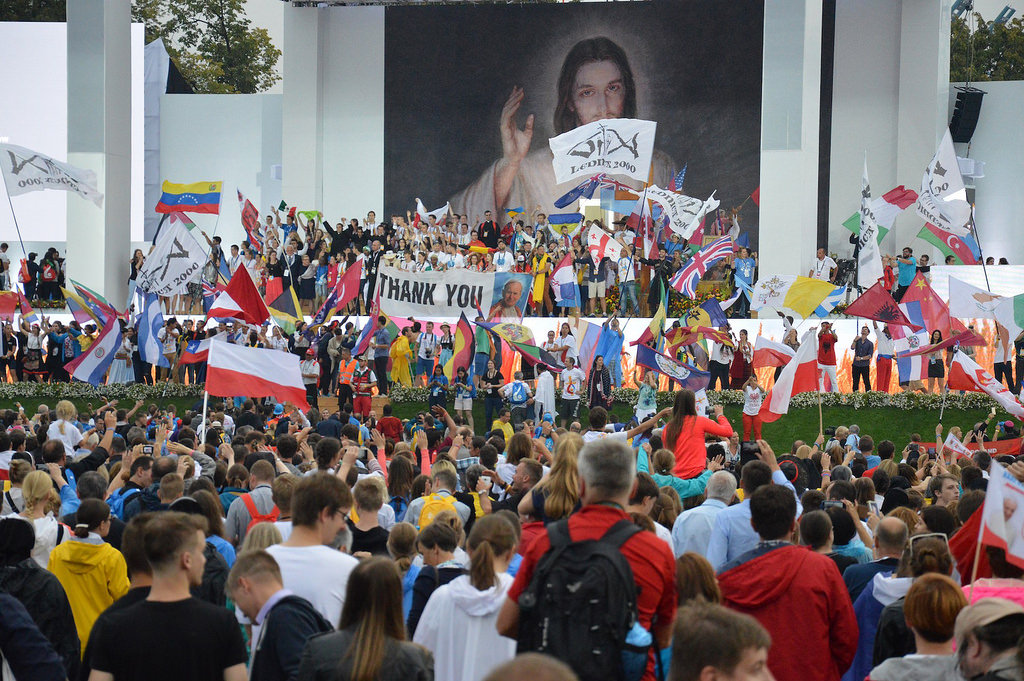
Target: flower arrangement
point(77, 390)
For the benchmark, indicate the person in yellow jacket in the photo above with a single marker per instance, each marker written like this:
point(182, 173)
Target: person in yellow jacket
point(92, 572)
point(401, 358)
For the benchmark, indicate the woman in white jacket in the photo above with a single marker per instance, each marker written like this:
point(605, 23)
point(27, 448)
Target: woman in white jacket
point(459, 623)
point(40, 502)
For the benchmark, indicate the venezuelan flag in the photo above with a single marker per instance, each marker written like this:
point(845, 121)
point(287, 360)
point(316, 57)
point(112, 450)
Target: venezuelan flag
point(464, 346)
point(78, 308)
point(198, 197)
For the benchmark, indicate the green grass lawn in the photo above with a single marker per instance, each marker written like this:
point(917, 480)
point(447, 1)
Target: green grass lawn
point(799, 424)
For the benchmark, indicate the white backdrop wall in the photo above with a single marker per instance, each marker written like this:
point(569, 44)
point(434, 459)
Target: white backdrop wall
point(232, 138)
point(864, 109)
point(998, 141)
point(35, 115)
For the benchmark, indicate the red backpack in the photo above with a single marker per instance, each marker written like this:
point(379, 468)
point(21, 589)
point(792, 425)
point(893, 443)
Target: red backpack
point(256, 516)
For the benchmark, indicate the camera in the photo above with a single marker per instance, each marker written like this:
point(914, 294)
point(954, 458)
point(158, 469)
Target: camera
point(147, 449)
point(825, 505)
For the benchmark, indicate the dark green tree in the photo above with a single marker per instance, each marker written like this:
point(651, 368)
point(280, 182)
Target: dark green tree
point(219, 50)
point(998, 50)
point(33, 10)
point(213, 42)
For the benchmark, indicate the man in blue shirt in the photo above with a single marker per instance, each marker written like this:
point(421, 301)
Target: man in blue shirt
point(907, 271)
point(733, 534)
point(381, 348)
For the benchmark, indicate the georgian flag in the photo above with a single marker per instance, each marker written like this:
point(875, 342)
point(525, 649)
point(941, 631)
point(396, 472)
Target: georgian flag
point(91, 365)
point(602, 245)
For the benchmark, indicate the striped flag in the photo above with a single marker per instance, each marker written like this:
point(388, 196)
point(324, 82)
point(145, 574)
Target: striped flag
point(254, 372)
point(685, 281)
point(91, 366)
point(949, 243)
point(79, 309)
point(564, 283)
point(799, 376)
point(101, 309)
point(830, 302)
point(689, 376)
point(149, 324)
point(676, 183)
point(769, 353)
point(462, 348)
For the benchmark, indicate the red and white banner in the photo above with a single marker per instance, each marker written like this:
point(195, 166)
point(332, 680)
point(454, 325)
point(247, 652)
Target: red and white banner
point(254, 372)
point(769, 353)
point(240, 300)
point(965, 374)
point(602, 245)
point(799, 376)
point(1003, 514)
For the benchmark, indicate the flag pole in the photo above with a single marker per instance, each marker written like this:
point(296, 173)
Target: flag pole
point(977, 240)
point(202, 427)
point(15, 218)
point(821, 420)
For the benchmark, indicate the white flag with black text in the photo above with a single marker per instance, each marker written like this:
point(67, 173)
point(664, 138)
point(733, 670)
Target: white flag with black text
point(617, 146)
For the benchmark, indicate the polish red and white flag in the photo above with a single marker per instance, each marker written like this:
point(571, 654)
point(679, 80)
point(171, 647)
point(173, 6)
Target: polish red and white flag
point(769, 353)
point(233, 370)
point(800, 375)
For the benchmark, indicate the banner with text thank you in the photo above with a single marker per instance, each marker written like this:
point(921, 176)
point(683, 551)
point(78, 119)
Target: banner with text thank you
point(617, 146)
point(501, 296)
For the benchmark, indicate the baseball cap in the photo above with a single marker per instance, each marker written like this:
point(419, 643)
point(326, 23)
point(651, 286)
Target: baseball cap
point(983, 612)
point(548, 417)
point(278, 409)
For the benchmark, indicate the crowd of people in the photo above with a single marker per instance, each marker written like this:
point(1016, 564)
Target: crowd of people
point(265, 542)
point(311, 258)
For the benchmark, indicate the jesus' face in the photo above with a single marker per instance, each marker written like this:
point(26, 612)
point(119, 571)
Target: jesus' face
point(598, 92)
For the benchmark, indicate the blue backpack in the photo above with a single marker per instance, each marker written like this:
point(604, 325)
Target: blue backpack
point(519, 394)
point(116, 500)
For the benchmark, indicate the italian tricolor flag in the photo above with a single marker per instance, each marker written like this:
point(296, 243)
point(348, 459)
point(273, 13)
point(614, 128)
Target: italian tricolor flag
point(885, 208)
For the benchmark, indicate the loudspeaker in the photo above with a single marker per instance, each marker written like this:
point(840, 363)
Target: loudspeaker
point(965, 114)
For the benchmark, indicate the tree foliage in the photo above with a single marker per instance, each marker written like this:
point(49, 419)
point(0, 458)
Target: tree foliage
point(213, 42)
point(33, 10)
point(998, 50)
point(217, 47)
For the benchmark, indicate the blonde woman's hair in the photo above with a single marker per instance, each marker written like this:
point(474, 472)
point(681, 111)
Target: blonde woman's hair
point(260, 536)
point(562, 485)
point(19, 470)
point(66, 411)
point(38, 489)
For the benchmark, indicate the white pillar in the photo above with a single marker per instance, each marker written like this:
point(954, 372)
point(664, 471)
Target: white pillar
point(99, 138)
point(923, 103)
point(302, 110)
point(789, 136)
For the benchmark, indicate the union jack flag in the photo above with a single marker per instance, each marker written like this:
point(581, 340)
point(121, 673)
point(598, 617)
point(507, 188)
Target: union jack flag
point(210, 291)
point(685, 280)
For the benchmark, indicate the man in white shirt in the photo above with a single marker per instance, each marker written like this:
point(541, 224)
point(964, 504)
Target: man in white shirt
point(822, 267)
point(5, 268)
point(503, 258)
point(627, 282)
point(310, 568)
point(427, 345)
point(572, 379)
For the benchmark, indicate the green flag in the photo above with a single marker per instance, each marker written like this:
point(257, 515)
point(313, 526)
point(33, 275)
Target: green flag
point(282, 205)
point(852, 223)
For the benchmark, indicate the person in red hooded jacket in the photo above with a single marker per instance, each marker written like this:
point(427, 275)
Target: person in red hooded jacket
point(796, 594)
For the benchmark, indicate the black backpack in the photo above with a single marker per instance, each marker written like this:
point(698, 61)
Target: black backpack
point(581, 602)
